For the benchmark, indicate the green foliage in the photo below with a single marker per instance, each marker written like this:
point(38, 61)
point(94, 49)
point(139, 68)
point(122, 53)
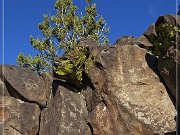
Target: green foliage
point(166, 37)
point(61, 33)
point(74, 64)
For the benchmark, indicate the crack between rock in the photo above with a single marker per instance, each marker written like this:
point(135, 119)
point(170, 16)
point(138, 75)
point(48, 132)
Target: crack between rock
point(40, 120)
point(15, 129)
point(91, 128)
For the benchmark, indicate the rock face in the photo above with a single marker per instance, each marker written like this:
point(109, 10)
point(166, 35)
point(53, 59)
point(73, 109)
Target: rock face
point(18, 117)
point(136, 85)
point(170, 54)
point(167, 66)
point(25, 84)
point(141, 41)
point(66, 115)
point(3, 89)
point(124, 91)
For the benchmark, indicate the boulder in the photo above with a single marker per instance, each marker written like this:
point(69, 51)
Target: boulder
point(110, 119)
point(25, 84)
point(66, 115)
point(137, 101)
point(169, 67)
point(172, 19)
point(126, 40)
point(168, 52)
point(162, 35)
point(18, 117)
point(143, 42)
point(151, 30)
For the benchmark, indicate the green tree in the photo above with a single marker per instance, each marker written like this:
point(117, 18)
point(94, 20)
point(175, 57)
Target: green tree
point(61, 33)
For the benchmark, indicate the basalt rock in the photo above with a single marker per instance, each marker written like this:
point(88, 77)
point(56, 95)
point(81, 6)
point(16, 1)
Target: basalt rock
point(123, 92)
point(18, 117)
point(136, 95)
point(141, 41)
point(66, 114)
point(169, 55)
point(25, 84)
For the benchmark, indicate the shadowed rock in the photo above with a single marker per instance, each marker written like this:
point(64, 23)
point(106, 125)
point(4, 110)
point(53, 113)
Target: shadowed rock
point(168, 61)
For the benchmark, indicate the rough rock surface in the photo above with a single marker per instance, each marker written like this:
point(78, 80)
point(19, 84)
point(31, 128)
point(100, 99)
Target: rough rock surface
point(66, 114)
point(134, 85)
point(108, 119)
point(25, 84)
point(3, 89)
point(167, 67)
point(141, 41)
point(126, 40)
point(170, 55)
point(124, 93)
point(144, 43)
point(18, 117)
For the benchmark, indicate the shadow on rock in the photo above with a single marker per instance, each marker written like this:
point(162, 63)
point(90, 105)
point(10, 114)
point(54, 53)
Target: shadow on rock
point(152, 62)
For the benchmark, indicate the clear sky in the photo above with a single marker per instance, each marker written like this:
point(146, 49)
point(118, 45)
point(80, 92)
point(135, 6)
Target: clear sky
point(124, 17)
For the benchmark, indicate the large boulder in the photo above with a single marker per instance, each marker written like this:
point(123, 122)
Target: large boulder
point(25, 84)
point(110, 119)
point(18, 117)
point(169, 67)
point(162, 33)
point(66, 114)
point(136, 100)
point(168, 52)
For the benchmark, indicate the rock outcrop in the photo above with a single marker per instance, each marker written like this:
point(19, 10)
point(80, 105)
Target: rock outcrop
point(66, 114)
point(25, 84)
point(168, 61)
point(18, 117)
point(141, 41)
point(133, 85)
point(125, 91)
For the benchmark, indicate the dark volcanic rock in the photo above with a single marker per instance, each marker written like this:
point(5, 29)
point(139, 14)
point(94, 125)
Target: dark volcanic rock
point(169, 55)
point(66, 115)
point(161, 37)
point(18, 117)
point(126, 40)
point(141, 41)
point(170, 18)
point(25, 84)
point(110, 119)
point(151, 30)
point(136, 101)
point(169, 67)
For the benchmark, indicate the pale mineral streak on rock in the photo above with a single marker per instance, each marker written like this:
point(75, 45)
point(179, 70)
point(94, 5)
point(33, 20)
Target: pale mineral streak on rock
point(137, 87)
point(67, 110)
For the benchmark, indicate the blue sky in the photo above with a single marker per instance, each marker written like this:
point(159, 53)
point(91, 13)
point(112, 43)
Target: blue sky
point(124, 17)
